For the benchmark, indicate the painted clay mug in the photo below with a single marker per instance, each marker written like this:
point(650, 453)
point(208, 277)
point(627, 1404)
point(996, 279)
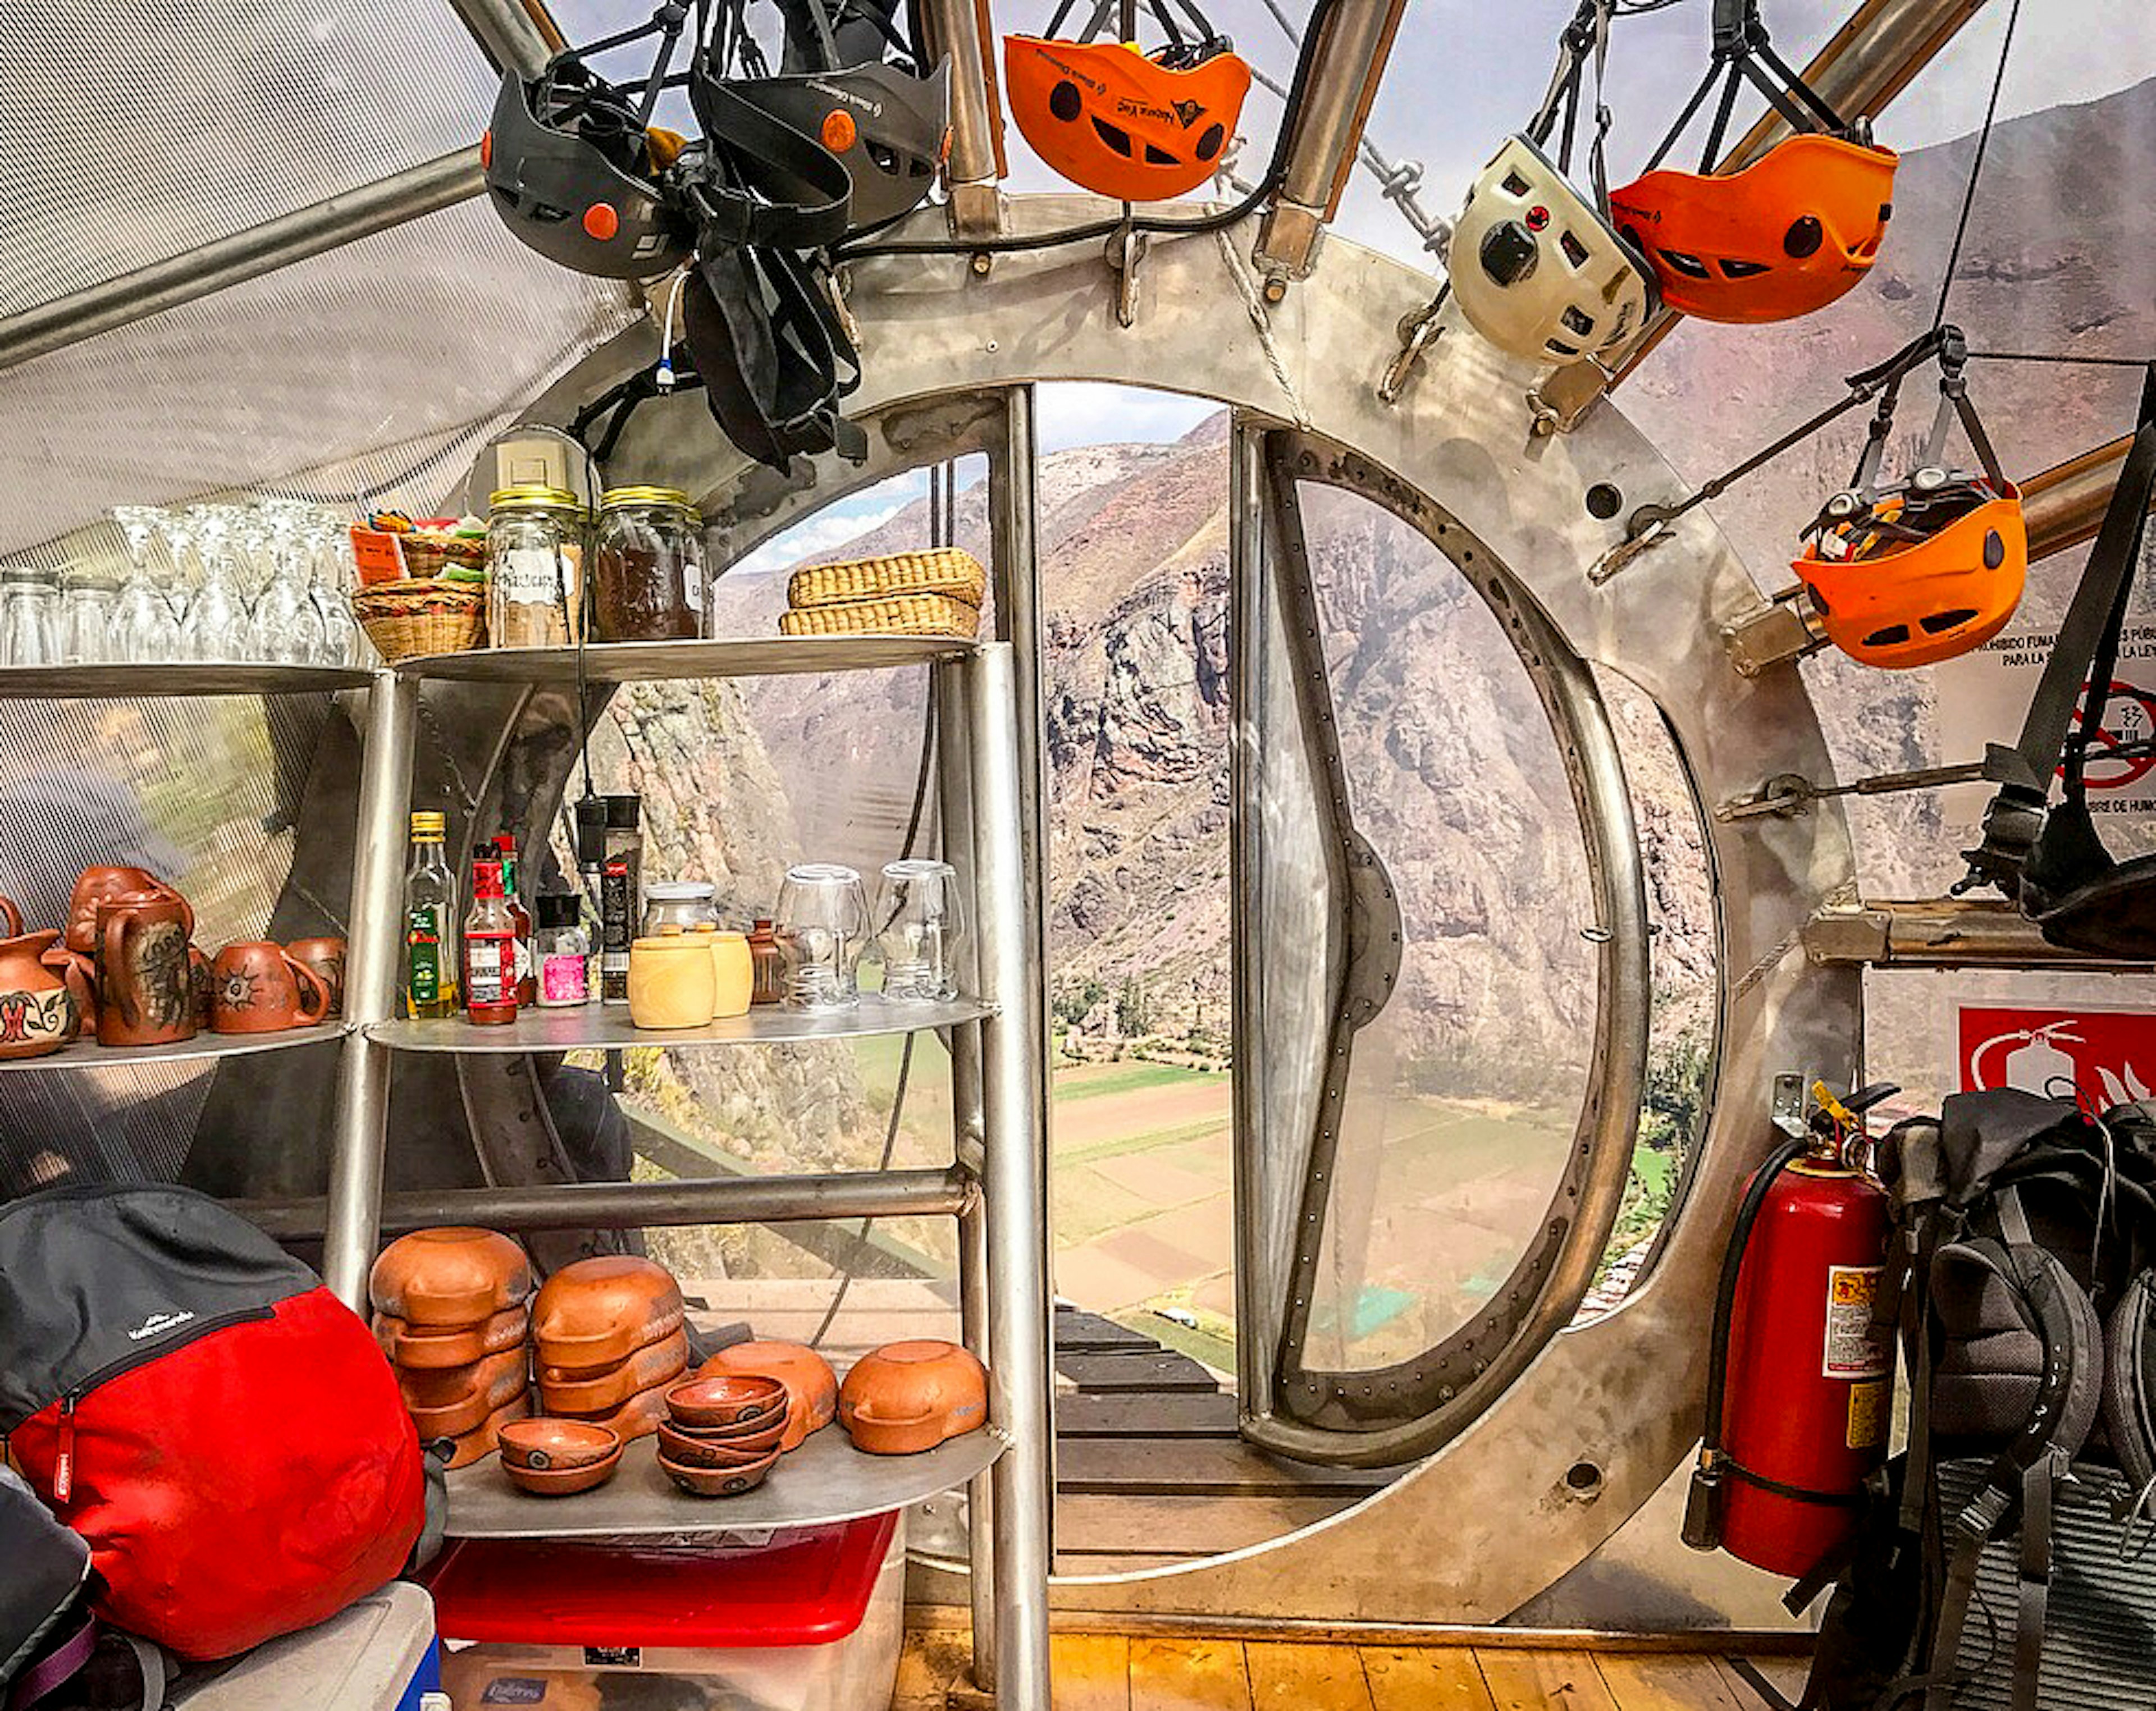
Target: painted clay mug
point(324, 958)
point(99, 885)
point(144, 986)
point(260, 988)
point(38, 1012)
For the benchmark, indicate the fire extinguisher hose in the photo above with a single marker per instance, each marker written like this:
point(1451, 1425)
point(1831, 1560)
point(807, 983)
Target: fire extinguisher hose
point(1724, 1289)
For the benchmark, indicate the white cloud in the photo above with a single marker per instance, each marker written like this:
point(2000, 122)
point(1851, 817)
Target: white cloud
point(1089, 413)
point(816, 537)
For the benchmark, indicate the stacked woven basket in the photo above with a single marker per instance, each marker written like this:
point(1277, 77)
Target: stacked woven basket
point(907, 594)
point(429, 611)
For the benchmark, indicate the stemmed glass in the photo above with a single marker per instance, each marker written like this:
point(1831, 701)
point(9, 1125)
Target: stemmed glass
point(918, 926)
point(329, 586)
point(823, 926)
point(216, 625)
point(288, 626)
point(146, 624)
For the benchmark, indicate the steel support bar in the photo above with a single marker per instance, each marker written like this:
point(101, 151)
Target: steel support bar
point(193, 274)
point(974, 166)
point(1942, 933)
point(511, 33)
point(349, 1220)
point(1019, 1376)
point(2065, 505)
point(635, 1206)
point(1346, 67)
point(1871, 59)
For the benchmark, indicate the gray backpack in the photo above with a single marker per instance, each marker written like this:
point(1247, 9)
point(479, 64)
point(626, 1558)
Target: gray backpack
point(45, 1631)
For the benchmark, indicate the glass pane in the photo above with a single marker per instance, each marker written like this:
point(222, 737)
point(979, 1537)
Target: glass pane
point(1463, 1095)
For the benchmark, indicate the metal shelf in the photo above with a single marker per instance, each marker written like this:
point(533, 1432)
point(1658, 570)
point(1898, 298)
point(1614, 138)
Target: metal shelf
point(607, 1027)
point(88, 1054)
point(826, 1479)
point(634, 662)
point(85, 683)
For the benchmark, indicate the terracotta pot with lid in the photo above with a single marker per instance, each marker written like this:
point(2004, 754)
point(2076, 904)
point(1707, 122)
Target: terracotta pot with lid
point(429, 1348)
point(39, 1012)
point(497, 1378)
point(596, 1313)
point(906, 1397)
point(452, 1276)
point(477, 1445)
point(498, 1384)
point(812, 1388)
point(639, 1417)
point(565, 1392)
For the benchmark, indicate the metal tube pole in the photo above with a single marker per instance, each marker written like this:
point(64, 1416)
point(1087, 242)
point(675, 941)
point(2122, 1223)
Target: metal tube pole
point(974, 166)
point(511, 33)
point(1018, 1305)
point(631, 1206)
point(359, 1139)
point(335, 220)
point(1349, 61)
point(954, 819)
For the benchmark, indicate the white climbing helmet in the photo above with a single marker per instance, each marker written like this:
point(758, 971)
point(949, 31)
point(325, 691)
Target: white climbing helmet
point(1537, 271)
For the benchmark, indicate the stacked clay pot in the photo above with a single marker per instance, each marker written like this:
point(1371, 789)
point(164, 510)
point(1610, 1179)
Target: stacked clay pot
point(907, 1397)
point(451, 1312)
point(609, 1336)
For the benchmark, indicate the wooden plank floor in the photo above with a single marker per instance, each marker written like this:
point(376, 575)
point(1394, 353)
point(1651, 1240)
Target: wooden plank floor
point(1123, 1672)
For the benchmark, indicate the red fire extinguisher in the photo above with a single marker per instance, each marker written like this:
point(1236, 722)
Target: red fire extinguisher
point(1799, 1377)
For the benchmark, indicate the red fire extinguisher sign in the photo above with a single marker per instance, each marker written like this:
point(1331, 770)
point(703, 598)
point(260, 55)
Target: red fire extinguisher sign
point(2107, 1056)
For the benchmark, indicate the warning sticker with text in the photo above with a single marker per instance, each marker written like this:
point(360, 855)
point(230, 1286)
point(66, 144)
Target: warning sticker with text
point(1867, 1413)
point(1854, 1347)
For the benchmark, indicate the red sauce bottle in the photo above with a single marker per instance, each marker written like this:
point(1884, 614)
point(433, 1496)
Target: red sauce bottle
point(489, 949)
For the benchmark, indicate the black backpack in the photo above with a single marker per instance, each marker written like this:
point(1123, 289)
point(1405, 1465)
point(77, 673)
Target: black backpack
point(44, 1621)
point(2020, 1283)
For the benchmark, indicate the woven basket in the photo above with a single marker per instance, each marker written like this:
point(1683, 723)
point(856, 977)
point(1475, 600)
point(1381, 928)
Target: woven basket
point(426, 555)
point(902, 615)
point(402, 619)
point(955, 575)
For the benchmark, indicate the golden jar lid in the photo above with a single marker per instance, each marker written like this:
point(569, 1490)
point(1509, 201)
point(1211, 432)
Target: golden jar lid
point(533, 496)
point(616, 498)
point(424, 822)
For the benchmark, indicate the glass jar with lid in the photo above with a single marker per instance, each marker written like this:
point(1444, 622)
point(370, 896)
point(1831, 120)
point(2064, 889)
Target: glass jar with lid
point(535, 561)
point(648, 566)
point(683, 904)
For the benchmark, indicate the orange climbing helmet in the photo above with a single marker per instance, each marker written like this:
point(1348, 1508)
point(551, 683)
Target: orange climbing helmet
point(1789, 234)
point(1120, 122)
point(1914, 571)
point(1786, 235)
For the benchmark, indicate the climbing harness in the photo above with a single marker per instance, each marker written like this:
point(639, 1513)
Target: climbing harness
point(1536, 267)
point(1119, 121)
point(1911, 572)
point(1784, 236)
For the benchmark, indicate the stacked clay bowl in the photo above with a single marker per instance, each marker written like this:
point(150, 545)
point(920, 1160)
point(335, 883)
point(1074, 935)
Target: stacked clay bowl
point(559, 1457)
point(610, 1337)
point(906, 1397)
point(724, 1433)
point(812, 1389)
point(450, 1312)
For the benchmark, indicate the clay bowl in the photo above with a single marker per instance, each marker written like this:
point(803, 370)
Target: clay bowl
point(580, 1393)
point(561, 1481)
point(691, 1451)
point(719, 1482)
point(451, 1400)
point(639, 1417)
point(740, 1431)
point(557, 1446)
point(597, 1312)
point(454, 1276)
point(812, 1388)
point(430, 1348)
point(906, 1397)
point(730, 1399)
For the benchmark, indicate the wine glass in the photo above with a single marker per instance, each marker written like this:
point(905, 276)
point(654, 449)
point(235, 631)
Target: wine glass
point(823, 922)
point(330, 583)
point(146, 622)
point(918, 926)
point(288, 626)
point(217, 626)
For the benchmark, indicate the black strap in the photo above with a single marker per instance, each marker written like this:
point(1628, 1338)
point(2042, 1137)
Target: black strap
point(1769, 1695)
point(2088, 638)
point(2032, 1603)
point(1742, 53)
point(1796, 1493)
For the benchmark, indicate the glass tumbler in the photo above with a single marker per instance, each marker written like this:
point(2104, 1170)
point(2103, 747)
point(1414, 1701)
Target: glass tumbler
point(823, 926)
point(918, 926)
point(30, 617)
point(90, 606)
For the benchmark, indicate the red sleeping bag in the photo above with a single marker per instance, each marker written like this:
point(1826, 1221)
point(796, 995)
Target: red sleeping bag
point(190, 1399)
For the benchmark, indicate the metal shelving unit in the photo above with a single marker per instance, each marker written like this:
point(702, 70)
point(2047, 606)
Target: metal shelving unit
point(607, 1027)
point(88, 1054)
point(93, 682)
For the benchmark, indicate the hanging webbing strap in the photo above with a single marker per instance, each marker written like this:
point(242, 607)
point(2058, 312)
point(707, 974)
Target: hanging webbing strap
point(2089, 636)
point(1744, 52)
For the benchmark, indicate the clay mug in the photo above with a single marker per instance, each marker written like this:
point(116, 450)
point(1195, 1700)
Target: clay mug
point(260, 988)
point(325, 958)
point(97, 885)
point(142, 979)
point(38, 1012)
point(201, 987)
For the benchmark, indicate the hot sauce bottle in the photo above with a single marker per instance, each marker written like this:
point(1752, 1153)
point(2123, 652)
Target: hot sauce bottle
point(527, 966)
point(489, 949)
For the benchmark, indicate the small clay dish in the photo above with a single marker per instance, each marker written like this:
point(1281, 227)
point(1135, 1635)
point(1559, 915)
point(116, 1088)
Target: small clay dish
point(812, 1389)
point(561, 1481)
point(557, 1446)
point(719, 1482)
point(593, 1393)
point(452, 1276)
point(431, 1348)
point(596, 1313)
point(730, 1399)
point(741, 1432)
point(691, 1452)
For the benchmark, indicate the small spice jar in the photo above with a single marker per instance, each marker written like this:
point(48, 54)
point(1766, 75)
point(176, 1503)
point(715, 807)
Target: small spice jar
point(685, 904)
point(535, 561)
point(563, 950)
point(768, 959)
point(647, 566)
